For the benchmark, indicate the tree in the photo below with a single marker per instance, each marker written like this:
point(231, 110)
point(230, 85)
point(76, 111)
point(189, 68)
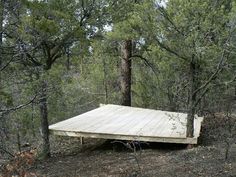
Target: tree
point(62, 58)
point(125, 30)
point(48, 27)
point(204, 40)
point(7, 19)
point(126, 65)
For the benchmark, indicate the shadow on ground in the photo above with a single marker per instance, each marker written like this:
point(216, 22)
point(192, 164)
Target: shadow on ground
point(119, 146)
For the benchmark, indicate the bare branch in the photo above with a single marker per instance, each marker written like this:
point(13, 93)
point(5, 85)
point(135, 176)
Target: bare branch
point(230, 81)
point(213, 76)
point(167, 17)
point(168, 49)
point(147, 63)
point(6, 151)
point(201, 96)
point(4, 111)
point(4, 67)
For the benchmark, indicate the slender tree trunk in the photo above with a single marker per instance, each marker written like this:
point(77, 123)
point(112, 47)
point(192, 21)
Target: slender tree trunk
point(2, 123)
point(18, 139)
point(192, 99)
point(105, 80)
point(67, 58)
point(126, 53)
point(234, 92)
point(1, 35)
point(1, 23)
point(32, 120)
point(44, 120)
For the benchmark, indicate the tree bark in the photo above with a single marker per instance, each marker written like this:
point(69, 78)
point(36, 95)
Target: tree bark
point(44, 120)
point(67, 58)
point(105, 80)
point(126, 53)
point(1, 33)
point(2, 123)
point(1, 22)
point(192, 99)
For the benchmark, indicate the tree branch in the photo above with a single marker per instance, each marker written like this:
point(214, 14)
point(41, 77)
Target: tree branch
point(167, 17)
point(201, 96)
point(213, 76)
point(6, 151)
point(147, 63)
point(168, 49)
point(4, 111)
point(2, 68)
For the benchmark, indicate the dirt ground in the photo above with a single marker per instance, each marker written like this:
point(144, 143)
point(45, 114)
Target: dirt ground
point(157, 160)
point(103, 158)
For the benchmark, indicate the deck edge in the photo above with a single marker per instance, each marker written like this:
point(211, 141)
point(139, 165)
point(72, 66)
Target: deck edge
point(125, 137)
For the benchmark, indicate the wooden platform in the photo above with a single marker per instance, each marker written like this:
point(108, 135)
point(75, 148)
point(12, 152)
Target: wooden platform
point(129, 123)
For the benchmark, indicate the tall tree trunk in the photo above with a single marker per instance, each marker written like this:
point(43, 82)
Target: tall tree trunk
point(126, 53)
point(44, 120)
point(192, 99)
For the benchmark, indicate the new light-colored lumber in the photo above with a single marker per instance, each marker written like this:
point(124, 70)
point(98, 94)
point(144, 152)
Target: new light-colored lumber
point(129, 123)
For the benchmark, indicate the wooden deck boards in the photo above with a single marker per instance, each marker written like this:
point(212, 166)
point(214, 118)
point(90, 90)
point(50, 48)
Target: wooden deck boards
point(129, 123)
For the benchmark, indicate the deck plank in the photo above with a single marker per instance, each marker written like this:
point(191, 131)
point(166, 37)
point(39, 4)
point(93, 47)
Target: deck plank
point(129, 123)
point(100, 119)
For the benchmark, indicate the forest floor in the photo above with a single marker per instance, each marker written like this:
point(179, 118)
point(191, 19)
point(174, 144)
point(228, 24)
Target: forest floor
point(108, 158)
